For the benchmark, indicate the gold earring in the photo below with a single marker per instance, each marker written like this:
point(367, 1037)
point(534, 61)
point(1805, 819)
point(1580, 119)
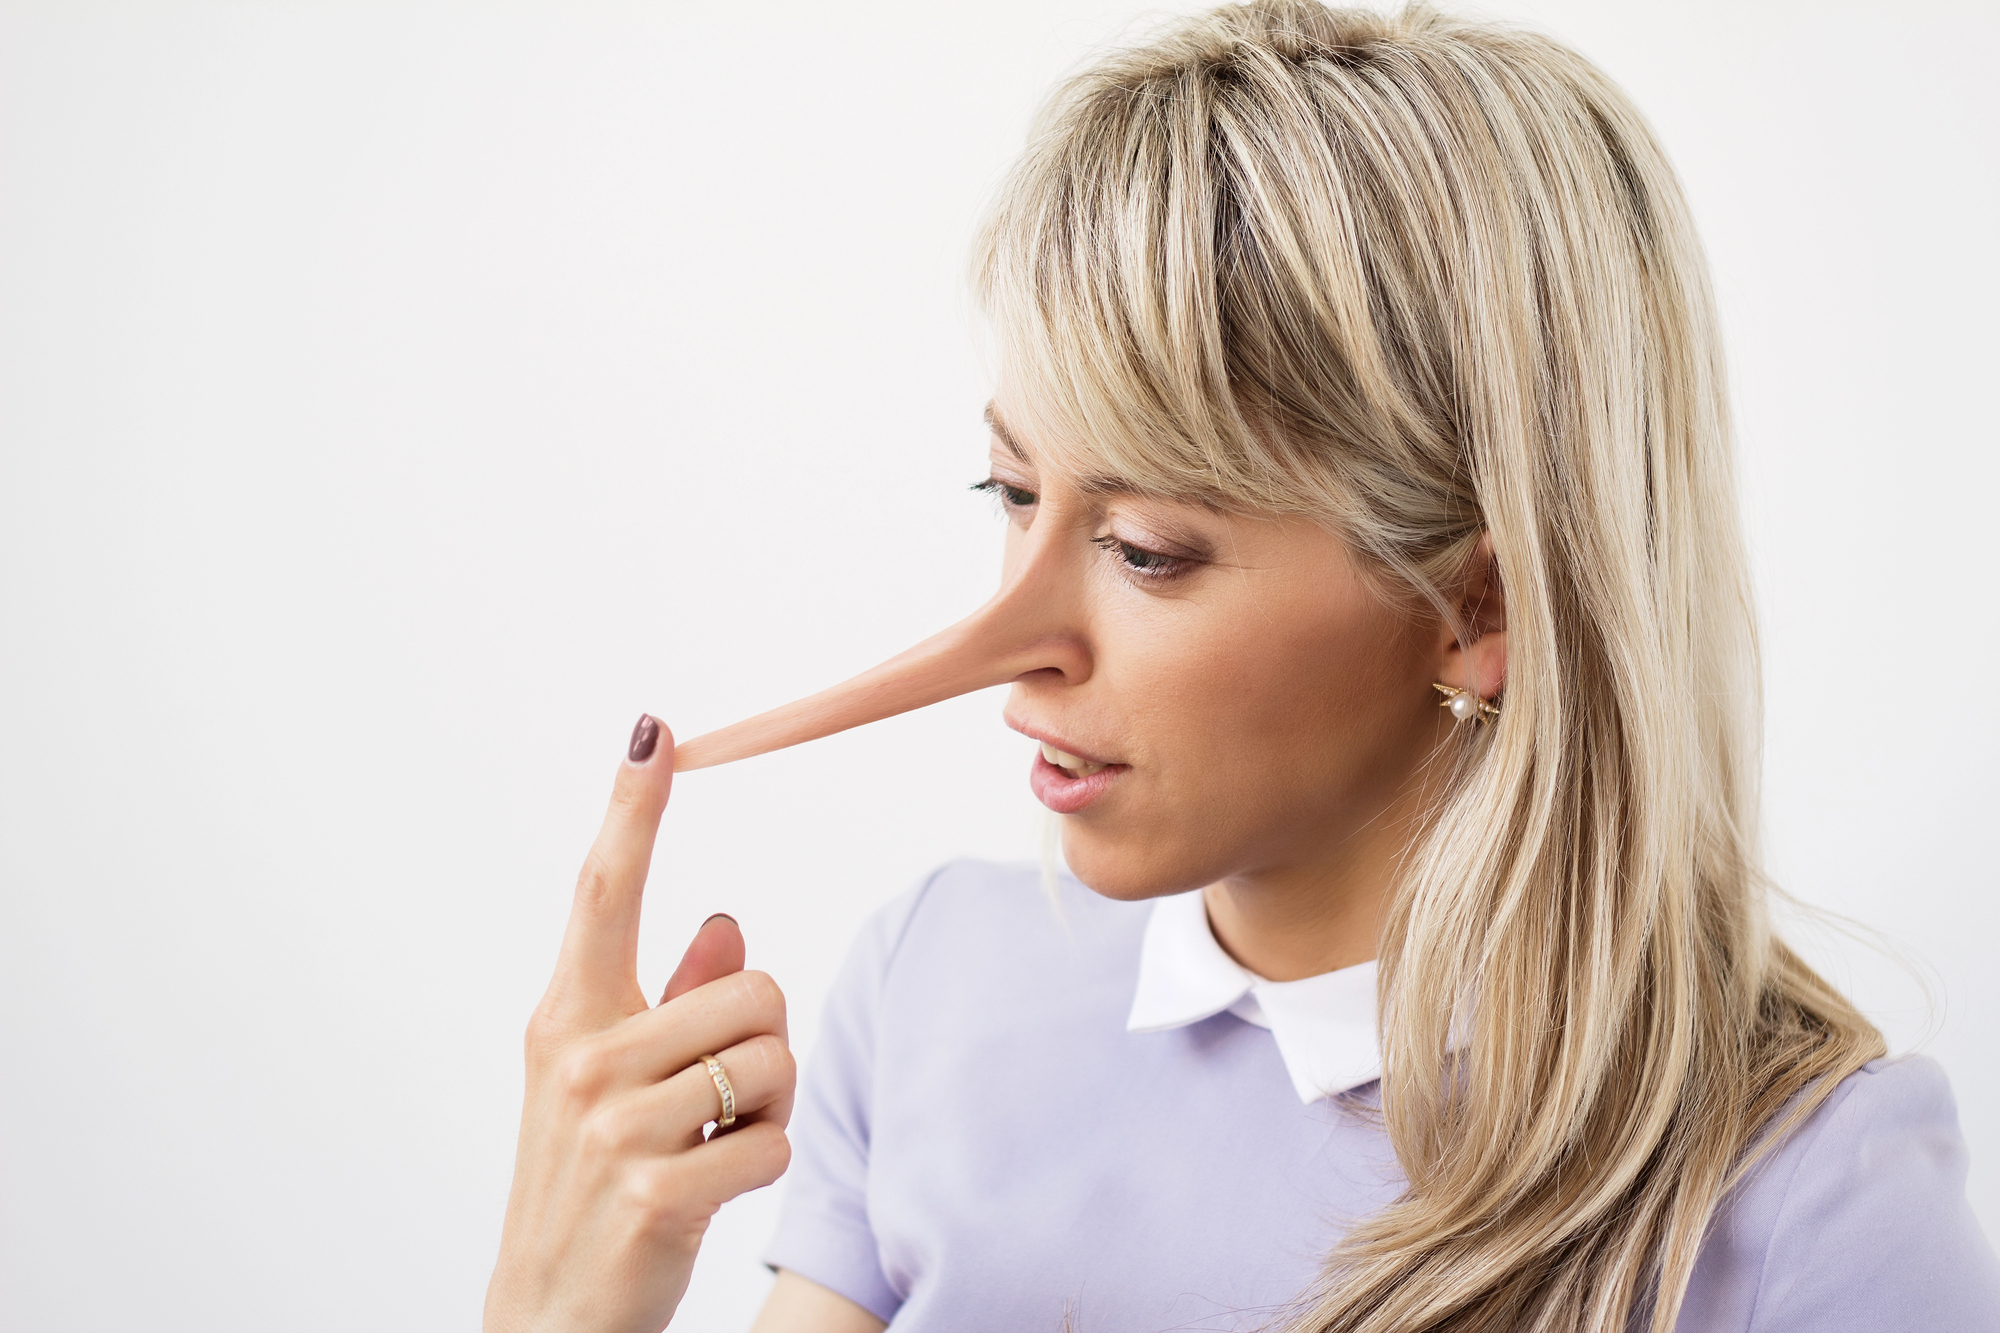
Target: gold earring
point(1465, 705)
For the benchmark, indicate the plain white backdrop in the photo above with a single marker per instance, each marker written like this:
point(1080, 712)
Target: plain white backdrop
point(396, 400)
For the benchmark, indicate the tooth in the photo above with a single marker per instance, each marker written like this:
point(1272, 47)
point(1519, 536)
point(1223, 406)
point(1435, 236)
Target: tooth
point(1069, 763)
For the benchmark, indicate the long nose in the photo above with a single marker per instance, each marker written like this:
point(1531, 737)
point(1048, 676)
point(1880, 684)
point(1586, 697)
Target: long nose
point(1026, 627)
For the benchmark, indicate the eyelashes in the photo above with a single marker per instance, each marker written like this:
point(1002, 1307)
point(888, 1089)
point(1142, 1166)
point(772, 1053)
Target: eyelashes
point(1139, 562)
point(1153, 566)
point(1009, 495)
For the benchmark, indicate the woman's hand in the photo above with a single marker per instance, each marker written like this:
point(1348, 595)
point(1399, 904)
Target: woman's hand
point(613, 1184)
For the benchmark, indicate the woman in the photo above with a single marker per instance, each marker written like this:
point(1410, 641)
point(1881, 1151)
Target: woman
point(1351, 366)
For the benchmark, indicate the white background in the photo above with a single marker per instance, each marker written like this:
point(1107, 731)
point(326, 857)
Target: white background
point(395, 401)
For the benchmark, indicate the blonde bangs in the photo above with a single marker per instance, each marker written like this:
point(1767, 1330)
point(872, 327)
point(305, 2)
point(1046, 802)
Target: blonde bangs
point(1111, 360)
point(1185, 278)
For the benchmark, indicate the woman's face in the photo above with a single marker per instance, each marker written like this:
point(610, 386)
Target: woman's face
point(1261, 713)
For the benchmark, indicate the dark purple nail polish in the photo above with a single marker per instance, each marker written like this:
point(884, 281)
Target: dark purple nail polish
point(645, 736)
point(722, 916)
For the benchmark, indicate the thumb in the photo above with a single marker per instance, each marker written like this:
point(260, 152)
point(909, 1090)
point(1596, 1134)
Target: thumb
point(715, 951)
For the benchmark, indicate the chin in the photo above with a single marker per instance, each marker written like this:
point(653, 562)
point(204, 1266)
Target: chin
point(1115, 869)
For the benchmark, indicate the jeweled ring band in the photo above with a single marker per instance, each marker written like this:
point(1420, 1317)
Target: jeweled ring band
point(728, 1094)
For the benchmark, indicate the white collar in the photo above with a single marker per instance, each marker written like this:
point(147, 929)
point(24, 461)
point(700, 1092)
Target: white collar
point(1324, 1025)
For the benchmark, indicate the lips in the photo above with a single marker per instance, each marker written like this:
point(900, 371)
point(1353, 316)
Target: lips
point(1063, 779)
point(1067, 782)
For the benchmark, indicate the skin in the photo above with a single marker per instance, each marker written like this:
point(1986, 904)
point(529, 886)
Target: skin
point(1278, 724)
point(1276, 712)
point(613, 1183)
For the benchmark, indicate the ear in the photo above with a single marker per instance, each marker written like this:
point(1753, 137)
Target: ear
point(1481, 664)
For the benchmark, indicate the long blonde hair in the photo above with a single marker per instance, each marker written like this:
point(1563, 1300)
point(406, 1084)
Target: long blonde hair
point(1427, 279)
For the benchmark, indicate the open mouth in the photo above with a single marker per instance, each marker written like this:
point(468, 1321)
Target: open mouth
point(1066, 783)
point(1069, 763)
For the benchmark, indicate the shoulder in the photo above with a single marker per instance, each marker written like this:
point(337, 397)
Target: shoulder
point(1858, 1220)
point(1885, 1117)
point(1885, 1094)
point(976, 939)
point(966, 910)
point(1889, 1130)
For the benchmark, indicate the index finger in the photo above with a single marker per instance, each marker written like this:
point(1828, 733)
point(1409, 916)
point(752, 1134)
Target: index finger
point(597, 973)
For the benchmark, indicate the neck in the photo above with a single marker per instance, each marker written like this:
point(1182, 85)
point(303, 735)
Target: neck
point(1284, 932)
point(1322, 914)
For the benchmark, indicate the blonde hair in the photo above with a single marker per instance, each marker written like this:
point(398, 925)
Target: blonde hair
point(1427, 279)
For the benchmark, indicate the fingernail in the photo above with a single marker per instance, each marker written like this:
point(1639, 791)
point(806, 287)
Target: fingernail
point(645, 736)
point(723, 916)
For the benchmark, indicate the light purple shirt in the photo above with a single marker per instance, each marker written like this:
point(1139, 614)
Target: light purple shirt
point(981, 1146)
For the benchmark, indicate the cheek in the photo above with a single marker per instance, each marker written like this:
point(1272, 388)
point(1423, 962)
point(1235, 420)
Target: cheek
point(1304, 684)
point(1262, 735)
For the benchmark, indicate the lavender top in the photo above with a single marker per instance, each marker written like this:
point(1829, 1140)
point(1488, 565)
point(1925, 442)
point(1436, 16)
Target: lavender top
point(982, 1146)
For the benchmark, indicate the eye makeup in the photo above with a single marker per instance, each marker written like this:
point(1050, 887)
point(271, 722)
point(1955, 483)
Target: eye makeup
point(1142, 563)
point(1010, 495)
point(1145, 560)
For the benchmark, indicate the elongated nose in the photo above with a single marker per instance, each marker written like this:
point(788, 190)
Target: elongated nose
point(1030, 625)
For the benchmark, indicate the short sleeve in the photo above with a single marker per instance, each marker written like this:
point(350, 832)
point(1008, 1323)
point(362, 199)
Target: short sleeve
point(824, 1232)
point(1874, 1233)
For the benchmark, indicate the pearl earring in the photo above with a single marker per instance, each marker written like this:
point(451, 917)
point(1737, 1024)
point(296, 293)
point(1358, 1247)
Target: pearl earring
point(1465, 706)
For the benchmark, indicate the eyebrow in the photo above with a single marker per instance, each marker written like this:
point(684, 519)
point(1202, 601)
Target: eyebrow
point(1092, 486)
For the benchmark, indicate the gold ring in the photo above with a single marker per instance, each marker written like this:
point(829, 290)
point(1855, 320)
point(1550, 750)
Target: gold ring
point(722, 1088)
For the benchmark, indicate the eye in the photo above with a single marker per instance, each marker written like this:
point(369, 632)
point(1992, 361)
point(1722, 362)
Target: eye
point(1011, 497)
point(1151, 565)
